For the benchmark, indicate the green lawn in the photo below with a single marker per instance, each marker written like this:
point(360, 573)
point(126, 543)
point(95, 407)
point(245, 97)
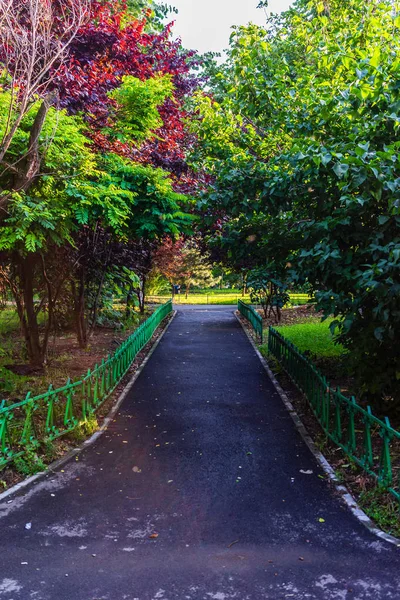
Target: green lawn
point(313, 336)
point(229, 297)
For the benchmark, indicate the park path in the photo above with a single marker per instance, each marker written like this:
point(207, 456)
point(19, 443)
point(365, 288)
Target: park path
point(204, 454)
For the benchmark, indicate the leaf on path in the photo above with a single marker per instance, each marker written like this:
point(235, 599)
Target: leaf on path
point(306, 472)
point(153, 536)
point(321, 520)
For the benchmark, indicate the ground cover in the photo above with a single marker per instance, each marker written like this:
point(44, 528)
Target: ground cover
point(66, 358)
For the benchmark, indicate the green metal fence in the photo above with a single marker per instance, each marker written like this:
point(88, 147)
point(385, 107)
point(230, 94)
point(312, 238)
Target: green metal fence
point(36, 419)
point(370, 442)
point(249, 313)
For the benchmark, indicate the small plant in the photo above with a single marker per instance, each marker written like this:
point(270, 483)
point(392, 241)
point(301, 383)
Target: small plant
point(9, 381)
point(382, 509)
point(29, 464)
point(49, 450)
point(89, 426)
point(84, 430)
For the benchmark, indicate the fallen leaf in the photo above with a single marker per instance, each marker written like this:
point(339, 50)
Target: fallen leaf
point(321, 520)
point(306, 472)
point(153, 536)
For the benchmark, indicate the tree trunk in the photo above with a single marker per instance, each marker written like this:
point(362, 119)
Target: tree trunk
point(32, 162)
point(128, 308)
point(244, 288)
point(142, 294)
point(27, 312)
point(79, 310)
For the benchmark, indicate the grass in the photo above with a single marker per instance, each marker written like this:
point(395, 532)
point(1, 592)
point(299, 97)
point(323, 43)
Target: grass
point(313, 337)
point(227, 297)
point(382, 508)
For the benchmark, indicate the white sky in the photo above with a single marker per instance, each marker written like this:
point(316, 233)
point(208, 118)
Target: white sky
point(205, 25)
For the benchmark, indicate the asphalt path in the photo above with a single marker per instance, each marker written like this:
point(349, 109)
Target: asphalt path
point(202, 489)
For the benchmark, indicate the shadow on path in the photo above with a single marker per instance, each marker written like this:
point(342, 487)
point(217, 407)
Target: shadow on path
point(204, 454)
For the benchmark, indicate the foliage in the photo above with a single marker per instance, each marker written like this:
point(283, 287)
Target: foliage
point(134, 54)
point(137, 105)
point(301, 138)
point(30, 463)
point(97, 151)
point(185, 264)
point(48, 210)
point(140, 200)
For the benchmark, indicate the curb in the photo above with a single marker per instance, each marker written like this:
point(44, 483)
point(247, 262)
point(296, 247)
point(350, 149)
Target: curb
point(346, 496)
point(104, 426)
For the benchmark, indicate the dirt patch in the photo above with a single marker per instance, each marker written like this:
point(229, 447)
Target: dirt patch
point(292, 316)
point(66, 359)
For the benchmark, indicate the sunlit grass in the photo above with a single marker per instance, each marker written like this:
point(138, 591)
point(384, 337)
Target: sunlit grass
point(313, 336)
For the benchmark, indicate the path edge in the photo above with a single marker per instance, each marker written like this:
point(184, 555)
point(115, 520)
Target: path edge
point(104, 426)
point(345, 494)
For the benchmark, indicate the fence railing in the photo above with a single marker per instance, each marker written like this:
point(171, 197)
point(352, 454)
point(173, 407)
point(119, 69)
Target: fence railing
point(37, 419)
point(370, 442)
point(249, 313)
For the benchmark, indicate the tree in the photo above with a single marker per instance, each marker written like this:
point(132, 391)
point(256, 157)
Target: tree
point(74, 184)
point(34, 39)
point(184, 264)
point(302, 129)
point(40, 220)
point(268, 291)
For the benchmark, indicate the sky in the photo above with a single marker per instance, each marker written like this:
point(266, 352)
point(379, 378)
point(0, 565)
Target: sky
point(205, 25)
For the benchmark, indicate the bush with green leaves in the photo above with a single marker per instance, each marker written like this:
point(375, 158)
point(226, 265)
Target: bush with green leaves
point(302, 130)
